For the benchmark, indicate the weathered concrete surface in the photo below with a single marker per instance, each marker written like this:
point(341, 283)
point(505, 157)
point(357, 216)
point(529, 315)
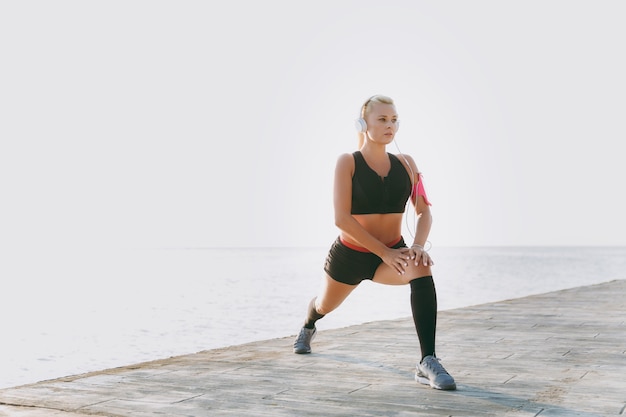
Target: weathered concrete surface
point(556, 354)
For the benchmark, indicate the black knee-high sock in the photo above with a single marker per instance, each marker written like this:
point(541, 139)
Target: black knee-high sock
point(424, 307)
point(312, 315)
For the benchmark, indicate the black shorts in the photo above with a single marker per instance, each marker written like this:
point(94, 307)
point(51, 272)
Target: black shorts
point(350, 266)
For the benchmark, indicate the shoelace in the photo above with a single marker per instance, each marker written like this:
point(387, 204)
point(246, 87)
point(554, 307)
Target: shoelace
point(302, 336)
point(435, 366)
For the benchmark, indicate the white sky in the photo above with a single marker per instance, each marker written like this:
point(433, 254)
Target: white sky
point(200, 124)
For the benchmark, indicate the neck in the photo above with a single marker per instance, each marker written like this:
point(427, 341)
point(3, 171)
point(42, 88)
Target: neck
point(371, 148)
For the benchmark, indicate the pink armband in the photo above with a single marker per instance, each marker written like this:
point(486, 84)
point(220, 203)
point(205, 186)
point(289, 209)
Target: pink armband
point(418, 189)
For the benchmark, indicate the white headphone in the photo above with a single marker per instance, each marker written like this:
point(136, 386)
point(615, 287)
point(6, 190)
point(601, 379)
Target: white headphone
point(360, 125)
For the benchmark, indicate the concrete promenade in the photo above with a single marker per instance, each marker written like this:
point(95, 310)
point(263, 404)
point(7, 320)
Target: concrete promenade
point(557, 354)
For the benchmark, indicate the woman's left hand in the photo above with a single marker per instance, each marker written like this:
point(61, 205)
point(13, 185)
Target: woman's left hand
point(418, 254)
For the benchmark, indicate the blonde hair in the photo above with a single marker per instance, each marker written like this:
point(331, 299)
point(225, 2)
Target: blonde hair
point(365, 109)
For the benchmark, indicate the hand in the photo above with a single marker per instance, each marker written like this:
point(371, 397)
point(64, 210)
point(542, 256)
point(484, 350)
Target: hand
point(398, 259)
point(418, 254)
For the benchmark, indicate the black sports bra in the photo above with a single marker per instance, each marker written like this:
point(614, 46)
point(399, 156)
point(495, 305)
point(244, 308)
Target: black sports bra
point(372, 193)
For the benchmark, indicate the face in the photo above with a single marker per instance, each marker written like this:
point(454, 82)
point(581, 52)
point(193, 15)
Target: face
point(382, 122)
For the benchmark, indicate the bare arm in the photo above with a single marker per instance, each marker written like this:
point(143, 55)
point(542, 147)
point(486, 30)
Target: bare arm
point(342, 197)
point(424, 218)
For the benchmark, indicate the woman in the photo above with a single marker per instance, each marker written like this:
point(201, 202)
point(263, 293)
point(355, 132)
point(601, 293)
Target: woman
point(371, 190)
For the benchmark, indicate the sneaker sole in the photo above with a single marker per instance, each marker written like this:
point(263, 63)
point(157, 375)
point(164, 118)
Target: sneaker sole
point(425, 381)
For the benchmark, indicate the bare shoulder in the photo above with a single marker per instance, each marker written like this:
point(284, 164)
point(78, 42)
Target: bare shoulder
point(408, 161)
point(345, 161)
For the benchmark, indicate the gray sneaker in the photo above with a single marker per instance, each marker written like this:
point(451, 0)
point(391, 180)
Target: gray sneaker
point(303, 342)
point(430, 372)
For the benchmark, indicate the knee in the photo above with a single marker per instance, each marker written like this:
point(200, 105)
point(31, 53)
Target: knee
point(417, 272)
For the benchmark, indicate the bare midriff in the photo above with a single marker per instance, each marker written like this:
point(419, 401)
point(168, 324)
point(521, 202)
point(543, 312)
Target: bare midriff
point(387, 228)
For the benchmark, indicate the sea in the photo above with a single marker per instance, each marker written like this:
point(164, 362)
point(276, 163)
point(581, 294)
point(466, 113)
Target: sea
point(66, 312)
